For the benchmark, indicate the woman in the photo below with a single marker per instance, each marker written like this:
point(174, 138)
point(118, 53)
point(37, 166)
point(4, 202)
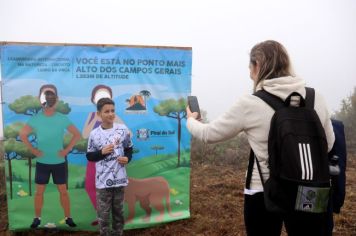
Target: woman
point(270, 69)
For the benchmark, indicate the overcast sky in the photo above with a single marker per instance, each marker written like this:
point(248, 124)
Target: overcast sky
point(320, 36)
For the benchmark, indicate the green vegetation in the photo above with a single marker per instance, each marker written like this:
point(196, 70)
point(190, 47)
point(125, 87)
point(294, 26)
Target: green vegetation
point(347, 114)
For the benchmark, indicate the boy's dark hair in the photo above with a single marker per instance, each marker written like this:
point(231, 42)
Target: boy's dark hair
point(104, 101)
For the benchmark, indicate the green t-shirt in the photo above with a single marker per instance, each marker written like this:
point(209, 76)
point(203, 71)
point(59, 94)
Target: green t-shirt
point(49, 132)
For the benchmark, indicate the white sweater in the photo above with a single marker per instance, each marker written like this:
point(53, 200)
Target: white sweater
point(253, 116)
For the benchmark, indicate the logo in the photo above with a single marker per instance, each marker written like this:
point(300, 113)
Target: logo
point(310, 195)
point(142, 134)
point(307, 206)
point(137, 103)
point(109, 182)
point(306, 161)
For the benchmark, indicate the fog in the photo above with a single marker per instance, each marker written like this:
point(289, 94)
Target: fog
point(319, 35)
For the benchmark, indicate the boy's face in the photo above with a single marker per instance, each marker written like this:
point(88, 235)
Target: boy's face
point(107, 114)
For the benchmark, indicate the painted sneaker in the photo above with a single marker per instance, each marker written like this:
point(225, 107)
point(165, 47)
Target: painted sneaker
point(35, 223)
point(95, 222)
point(70, 222)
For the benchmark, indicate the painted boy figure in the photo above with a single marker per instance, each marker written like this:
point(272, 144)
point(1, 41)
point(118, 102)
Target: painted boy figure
point(49, 127)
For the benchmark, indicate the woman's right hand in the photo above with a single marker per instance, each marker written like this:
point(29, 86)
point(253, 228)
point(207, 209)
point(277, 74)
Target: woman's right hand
point(191, 114)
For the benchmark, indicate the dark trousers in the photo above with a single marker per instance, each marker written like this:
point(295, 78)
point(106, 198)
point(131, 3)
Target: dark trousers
point(259, 221)
point(110, 201)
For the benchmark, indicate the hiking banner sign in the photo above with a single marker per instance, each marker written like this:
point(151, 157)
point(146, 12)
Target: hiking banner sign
point(149, 86)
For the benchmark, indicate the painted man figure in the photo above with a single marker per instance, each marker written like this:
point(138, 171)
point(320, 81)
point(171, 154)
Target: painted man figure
point(49, 127)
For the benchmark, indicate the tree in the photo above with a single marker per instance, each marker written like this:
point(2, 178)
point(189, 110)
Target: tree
point(173, 109)
point(157, 147)
point(347, 115)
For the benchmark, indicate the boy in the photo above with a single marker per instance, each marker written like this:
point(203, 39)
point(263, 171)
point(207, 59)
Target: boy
point(110, 146)
point(93, 121)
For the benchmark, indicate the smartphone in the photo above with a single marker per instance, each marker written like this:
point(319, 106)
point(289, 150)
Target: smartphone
point(194, 105)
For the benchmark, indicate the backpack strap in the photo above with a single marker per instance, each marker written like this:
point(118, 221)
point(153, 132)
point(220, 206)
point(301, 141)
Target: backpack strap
point(309, 97)
point(272, 100)
point(250, 169)
point(276, 103)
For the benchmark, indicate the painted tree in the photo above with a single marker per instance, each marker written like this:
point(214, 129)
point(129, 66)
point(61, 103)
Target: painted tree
point(26, 105)
point(135, 150)
point(174, 109)
point(16, 150)
point(30, 105)
point(79, 148)
point(156, 148)
point(146, 94)
point(13, 130)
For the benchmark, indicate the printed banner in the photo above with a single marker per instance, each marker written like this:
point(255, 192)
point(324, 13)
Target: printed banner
point(149, 86)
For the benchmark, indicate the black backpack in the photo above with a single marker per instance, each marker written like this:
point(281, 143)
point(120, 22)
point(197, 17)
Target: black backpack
point(298, 157)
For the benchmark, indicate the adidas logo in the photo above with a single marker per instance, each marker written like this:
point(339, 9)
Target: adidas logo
point(305, 161)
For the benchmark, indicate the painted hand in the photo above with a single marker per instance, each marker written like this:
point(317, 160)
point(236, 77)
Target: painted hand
point(36, 152)
point(63, 153)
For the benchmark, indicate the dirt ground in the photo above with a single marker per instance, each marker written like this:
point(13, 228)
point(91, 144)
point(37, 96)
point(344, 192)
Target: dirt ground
point(216, 206)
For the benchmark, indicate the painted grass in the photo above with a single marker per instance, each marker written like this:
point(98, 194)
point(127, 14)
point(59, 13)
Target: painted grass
point(21, 209)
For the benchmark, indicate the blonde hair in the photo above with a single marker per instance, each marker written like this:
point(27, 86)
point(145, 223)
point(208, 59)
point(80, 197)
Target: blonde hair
point(272, 59)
